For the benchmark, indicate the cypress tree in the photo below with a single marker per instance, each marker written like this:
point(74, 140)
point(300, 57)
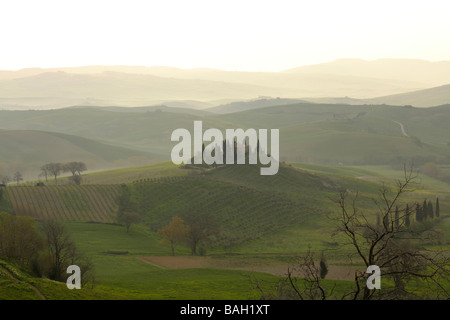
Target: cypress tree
point(257, 152)
point(418, 213)
point(430, 210)
point(323, 267)
point(424, 210)
point(397, 222)
point(437, 208)
point(224, 151)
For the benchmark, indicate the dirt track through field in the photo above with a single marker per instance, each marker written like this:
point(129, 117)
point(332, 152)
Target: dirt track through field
point(17, 281)
point(276, 268)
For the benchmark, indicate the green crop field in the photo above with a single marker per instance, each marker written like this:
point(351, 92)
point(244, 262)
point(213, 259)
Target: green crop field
point(79, 203)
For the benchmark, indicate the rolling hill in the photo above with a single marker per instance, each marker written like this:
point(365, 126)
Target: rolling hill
point(266, 222)
point(239, 106)
point(321, 133)
point(112, 88)
point(422, 98)
point(246, 205)
point(27, 150)
point(431, 97)
point(419, 71)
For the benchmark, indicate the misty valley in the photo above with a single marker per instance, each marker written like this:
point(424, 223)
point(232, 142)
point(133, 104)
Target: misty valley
point(173, 184)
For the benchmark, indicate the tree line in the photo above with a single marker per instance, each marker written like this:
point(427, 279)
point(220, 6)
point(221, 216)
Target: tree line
point(196, 232)
point(426, 211)
point(54, 169)
point(5, 179)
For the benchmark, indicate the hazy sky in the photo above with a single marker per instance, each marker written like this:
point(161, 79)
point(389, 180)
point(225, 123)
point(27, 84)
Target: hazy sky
point(233, 35)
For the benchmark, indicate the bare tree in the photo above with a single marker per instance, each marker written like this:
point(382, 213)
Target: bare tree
point(45, 172)
point(5, 179)
point(60, 248)
point(18, 177)
point(303, 282)
point(310, 287)
point(62, 252)
point(75, 167)
point(54, 169)
point(392, 246)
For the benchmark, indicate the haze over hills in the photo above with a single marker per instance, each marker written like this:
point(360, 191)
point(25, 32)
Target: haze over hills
point(28, 150)
point(420, 71)
point(314, 133)
point(252, 104)
point(422, 98)
point(431, 97)
point(204, 88)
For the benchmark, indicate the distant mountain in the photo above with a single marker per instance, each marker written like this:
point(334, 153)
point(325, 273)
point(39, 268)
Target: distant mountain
point(202, 88)
point(252, 104)
point(421, 98)
point(157, 108)
point(420, 71)
point(112, 88)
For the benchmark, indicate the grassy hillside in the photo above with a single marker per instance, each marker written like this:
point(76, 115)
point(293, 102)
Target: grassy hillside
point(33, 148)
point(147, 131)
point(321, 133)
point(265, 221)
point(17, 284)
point(333, 134)
point(245, 204)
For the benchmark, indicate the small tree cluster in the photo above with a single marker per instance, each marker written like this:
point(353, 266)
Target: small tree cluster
point(19, 238)
point(45, 251)
point(196, 231)
point(5, 179)
point(426, 211)
point(54, 169)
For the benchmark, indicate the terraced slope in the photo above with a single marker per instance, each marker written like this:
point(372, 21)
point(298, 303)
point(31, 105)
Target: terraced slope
point(95, 203)
point(244, 204)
